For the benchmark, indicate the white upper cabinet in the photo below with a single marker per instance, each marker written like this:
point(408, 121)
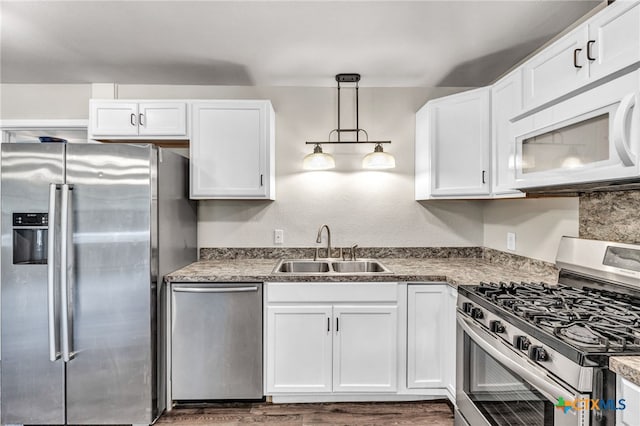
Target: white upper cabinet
point(558, 69)
point(614, 38)
point(232, 150)
point(162, 119)
point(116, 119)
point(608, 42)
point(453, 147)
point(506, 102)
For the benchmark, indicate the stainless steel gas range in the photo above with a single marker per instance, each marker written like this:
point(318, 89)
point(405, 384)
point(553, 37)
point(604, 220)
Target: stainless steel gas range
point(538, 354)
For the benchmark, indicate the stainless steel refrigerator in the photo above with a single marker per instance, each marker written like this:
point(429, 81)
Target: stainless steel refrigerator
point(88, 231)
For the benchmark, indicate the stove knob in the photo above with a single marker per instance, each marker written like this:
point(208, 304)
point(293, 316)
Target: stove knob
point(521, 342)
point(477, 313)
point(466, 307)
point(537, 353)
point(496, 326)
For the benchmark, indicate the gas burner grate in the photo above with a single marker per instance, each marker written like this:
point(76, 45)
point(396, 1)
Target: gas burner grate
point(584, 318)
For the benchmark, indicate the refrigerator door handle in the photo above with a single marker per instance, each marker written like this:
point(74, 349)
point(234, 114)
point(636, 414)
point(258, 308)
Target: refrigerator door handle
point(214, 289)
point(66, 273)
point(54, 337)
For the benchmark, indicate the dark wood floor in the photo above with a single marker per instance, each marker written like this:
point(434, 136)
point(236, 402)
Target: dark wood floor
point(436, 413)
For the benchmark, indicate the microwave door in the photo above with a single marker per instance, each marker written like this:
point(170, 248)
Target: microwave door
point(33, 375)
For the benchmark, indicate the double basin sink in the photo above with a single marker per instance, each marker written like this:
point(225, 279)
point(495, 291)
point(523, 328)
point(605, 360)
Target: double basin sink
point(330, 267)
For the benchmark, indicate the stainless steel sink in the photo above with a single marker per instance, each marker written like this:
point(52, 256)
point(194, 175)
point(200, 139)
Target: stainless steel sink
point(331, 267)
point(358, 266)
point(302, 266)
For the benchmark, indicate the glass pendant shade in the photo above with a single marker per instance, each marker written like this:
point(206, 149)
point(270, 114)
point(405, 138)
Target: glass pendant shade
point(318, 160)
point(378, 159)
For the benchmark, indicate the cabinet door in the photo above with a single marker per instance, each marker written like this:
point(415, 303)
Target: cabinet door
point(427, 317)
point(365, 349)
point(506, 102)
point(630, 392)
point(163, 119)
point(552, 73)
point(614, 38)
point(113, 118)
point(459, 136)
point(229, 149)
point(299, 348)
point(450, 341)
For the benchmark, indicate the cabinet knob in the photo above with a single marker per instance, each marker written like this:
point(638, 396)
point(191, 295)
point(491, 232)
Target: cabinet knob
point(133, 119)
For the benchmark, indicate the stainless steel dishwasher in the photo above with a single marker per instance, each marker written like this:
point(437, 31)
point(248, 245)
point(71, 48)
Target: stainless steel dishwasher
point(216, 346)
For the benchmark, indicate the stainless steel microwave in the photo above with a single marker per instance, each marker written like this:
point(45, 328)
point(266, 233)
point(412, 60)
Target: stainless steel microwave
point(591, 137)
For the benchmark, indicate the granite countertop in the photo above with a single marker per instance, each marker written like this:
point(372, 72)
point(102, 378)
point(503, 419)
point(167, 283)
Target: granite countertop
point(455, 271)
point(627, 367)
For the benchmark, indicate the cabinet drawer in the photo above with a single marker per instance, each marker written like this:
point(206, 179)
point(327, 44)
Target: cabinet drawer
point(332, 292)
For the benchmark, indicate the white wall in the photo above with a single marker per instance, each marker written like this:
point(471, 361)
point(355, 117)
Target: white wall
point(371, 208)
point(538, 223)
point(44, 101)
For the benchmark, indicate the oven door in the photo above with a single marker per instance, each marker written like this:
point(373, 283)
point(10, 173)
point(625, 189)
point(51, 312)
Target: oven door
point(497, 386)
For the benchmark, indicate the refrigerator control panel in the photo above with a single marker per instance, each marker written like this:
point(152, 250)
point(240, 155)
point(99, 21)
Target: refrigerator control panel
point(30, 219)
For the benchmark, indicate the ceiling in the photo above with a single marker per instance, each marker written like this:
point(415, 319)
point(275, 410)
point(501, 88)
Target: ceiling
point(274, 43)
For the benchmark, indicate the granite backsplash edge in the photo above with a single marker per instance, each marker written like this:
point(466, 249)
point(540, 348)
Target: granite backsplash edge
point(490, 255)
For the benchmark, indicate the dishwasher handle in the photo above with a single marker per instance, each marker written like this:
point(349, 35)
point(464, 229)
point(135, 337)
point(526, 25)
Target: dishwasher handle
point(215, 289)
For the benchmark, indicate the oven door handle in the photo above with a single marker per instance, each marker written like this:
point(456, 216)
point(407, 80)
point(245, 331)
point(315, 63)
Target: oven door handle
point(534, 376)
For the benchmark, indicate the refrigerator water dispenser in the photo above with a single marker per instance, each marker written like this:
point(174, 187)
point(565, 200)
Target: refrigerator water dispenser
point(30, 233)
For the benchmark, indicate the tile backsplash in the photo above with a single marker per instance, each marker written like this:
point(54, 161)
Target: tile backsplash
point(610, 216)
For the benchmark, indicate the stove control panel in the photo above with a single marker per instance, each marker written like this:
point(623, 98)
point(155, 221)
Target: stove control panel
point(537, 353)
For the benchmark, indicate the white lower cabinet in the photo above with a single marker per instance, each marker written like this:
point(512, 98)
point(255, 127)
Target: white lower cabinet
point(331, 348)
point(355, 341)
point(431, 334)
point(331, 338)
point(365, 349)
point(299, 348)
point(630, 392)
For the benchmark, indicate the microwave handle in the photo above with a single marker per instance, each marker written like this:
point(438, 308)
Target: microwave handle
point(540, 381)
point(620, 138)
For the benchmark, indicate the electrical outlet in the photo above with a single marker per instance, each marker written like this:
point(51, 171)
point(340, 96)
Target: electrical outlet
point(511, 241)
point(278, 236)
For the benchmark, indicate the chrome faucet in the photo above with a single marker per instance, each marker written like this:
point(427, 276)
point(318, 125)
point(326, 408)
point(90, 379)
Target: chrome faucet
point(353, 252)
point(319, 239)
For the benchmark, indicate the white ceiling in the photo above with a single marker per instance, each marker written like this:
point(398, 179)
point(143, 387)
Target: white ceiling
point(305, 43)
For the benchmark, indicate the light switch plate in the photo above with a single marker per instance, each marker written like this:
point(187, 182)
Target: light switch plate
point(278, 236)
point(511, 241)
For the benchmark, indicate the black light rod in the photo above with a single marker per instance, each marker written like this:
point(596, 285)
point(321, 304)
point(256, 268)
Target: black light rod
point(345, 142)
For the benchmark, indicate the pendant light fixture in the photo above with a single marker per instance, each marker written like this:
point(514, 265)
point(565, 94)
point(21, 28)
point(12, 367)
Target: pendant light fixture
point(318, 160)
point(378, 159)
